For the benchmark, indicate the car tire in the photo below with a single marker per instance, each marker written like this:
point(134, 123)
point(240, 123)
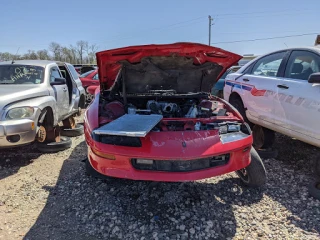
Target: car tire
point(72, 132)
point(317, 164)
point(90, 171)
point(53, 147)
point(314, 189)
point(254, 175)
point(237, 103)
point(267, 153)
point(263, 138)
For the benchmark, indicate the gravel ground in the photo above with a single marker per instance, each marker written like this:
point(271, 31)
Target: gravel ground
point(49, 196)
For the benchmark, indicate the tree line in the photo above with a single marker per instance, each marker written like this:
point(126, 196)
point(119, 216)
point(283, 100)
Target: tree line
point(80, 53)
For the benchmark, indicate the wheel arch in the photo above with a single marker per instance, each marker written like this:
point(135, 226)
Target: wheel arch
point(46, 117)
point(235, 95)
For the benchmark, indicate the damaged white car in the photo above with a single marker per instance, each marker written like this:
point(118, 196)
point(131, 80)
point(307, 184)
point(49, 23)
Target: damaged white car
point(36, 95)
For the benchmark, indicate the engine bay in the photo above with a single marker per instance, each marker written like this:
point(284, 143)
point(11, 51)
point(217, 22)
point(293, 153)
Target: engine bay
point(179, 112)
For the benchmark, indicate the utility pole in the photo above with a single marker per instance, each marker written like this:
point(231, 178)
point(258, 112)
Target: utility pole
point(210, 24)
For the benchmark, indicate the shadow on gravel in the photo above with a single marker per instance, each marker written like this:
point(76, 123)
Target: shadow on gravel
point(289, 176)
point(11, 160)
point(81, 207)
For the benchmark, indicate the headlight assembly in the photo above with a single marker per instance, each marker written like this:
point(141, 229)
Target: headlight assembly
point(19, 113)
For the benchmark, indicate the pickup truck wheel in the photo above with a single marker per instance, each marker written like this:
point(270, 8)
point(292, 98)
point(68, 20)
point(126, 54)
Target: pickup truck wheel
point(237, 103)
point(72, 132)
point(314, 190)
point(254, 175)
point(52, 147)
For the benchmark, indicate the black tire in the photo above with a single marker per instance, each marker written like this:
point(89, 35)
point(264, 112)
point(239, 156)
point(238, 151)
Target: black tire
point(268, 153)
point(269, 138)
point(90, 171)
point(72, 132)
point(263, 138)
point(237, 103)
point(317, 165)
point(53, 147)
point(254, 175)
point(314, 190)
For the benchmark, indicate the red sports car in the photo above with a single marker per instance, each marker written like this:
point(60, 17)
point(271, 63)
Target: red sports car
point(90, 78)
point(155, 119)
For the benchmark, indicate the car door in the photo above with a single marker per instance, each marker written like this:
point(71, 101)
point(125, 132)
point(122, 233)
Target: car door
point(60, 92)
point(258, 87)
point(299, 99)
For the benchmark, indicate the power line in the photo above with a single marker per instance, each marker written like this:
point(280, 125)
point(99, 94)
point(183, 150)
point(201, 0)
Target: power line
point(272, 11)
point(260, 39)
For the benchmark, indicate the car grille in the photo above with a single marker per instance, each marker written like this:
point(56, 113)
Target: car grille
point(182, 165)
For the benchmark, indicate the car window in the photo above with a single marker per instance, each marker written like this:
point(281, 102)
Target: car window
point(54, 73)
point(96, 77)
point(229, 71)
point(21, 74)
point(86, 73)
point(73, 72)
point(268, 65)
point(302, 64)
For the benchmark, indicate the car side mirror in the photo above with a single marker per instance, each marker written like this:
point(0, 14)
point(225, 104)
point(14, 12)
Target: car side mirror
point(58, 81)
point(314, 78)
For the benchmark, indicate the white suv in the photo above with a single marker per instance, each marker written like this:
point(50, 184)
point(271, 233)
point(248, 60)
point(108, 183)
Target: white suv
point(279, 91)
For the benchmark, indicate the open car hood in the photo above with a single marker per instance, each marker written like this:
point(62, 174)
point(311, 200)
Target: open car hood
point(182, 67)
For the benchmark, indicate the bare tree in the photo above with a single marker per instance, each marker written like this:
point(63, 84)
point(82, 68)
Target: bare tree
point(82, 52)
point(43, 54)
point(30, 55)
point(66, 54)
point(81, 46)
point(6, 56)
point(91, 51)
point(55, 48)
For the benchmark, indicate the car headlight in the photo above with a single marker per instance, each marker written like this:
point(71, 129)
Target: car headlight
point(21, 112)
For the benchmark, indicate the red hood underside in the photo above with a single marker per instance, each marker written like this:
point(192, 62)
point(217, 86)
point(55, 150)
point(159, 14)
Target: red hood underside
point(109, 62)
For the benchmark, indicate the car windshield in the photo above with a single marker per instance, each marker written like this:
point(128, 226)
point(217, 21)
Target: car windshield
point(86, 73)
point(21, 74)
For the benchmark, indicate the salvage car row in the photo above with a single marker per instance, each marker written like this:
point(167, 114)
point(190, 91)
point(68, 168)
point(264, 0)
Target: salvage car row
point(153, 116)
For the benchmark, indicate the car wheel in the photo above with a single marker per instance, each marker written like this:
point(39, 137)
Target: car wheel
point(90, 171)
point(53, 147)
point(72, 132)
point(236, 102)
point(254, 175)
point(262, 137)
point(89, 97)
point(316, 160)
point(314, 190)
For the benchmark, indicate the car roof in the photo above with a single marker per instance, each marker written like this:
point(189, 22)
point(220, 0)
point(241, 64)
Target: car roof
point(40, 63)
point(315, 49)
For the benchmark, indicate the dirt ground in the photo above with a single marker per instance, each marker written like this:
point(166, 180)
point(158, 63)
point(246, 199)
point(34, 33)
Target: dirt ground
point(49, 196)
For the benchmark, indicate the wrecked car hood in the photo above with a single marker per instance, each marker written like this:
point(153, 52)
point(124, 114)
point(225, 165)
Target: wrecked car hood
point(14, 93)
point(182, 67)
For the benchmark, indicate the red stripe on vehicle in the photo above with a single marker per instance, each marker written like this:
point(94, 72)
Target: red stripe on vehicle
point(255, 92)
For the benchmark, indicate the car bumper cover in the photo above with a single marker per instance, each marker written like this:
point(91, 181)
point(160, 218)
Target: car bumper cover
point(17, 132)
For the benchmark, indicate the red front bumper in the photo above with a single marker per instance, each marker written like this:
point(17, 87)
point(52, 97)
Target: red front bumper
point(168, 146)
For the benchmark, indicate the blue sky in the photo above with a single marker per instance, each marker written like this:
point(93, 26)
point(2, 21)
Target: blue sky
point(33, 24)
